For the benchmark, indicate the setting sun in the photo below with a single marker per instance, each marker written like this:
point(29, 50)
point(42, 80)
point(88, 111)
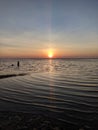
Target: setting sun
point(50, 54)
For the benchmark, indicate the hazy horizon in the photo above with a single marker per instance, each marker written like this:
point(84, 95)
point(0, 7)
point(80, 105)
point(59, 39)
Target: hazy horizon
point(49, 28)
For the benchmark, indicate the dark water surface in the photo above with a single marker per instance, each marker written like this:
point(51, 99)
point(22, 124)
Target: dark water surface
point(64, 88)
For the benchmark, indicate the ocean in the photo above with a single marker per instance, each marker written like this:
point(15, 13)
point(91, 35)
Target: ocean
point(66, 89)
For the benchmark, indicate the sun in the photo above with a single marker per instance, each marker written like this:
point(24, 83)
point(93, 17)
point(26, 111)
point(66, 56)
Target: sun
point(50, 55)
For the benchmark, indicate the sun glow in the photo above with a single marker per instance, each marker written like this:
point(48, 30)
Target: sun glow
point(50, 55)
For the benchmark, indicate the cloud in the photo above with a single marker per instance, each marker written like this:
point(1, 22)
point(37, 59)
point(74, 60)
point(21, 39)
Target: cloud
point(8, 45)
point(29, 39)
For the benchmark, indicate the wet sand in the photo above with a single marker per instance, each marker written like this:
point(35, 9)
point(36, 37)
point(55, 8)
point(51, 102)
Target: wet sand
point(28, 121)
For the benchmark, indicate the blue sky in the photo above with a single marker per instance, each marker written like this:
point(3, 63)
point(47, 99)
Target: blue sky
point(30, 28)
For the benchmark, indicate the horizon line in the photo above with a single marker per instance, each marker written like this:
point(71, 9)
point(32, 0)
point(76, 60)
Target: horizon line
point(48, 58)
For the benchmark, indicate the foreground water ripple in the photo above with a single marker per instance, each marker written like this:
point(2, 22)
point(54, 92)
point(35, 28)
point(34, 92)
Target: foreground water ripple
point(65, 89)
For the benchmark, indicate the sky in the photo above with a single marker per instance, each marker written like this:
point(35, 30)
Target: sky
point(35, 28)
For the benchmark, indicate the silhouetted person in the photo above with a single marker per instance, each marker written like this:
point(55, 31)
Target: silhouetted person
point(18, 64)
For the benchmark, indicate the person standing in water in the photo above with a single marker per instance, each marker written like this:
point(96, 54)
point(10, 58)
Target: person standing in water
point(18, 64)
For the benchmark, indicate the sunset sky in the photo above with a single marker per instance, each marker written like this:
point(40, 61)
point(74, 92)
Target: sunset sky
point(39, 28)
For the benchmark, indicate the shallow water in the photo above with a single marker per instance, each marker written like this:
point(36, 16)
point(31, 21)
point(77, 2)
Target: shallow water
point(64, 88)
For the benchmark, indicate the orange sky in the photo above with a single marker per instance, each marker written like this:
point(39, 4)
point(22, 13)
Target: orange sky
point(44, 53)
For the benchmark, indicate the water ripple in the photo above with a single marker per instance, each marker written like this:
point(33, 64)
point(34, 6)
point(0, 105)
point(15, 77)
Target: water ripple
point(72, 95)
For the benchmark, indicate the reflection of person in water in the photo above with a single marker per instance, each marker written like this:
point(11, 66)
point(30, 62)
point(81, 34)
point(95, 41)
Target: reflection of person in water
point(18, 64)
